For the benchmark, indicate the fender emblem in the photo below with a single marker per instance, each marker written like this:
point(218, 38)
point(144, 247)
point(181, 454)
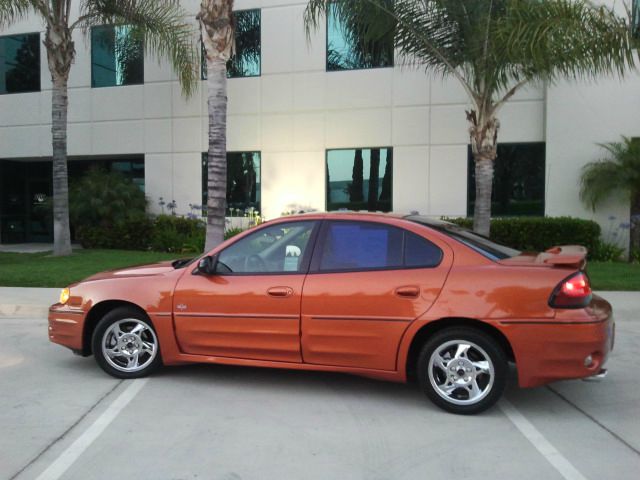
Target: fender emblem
point(181, 306)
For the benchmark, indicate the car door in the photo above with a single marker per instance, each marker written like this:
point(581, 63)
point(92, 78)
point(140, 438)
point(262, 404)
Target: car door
point(368, 281)
point(250, 308)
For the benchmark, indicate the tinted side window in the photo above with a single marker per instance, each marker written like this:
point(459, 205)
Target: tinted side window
point(361, 246)
point(276, 249)
point(419, 252)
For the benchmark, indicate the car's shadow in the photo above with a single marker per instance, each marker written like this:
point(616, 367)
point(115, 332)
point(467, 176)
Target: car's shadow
point(328, 385)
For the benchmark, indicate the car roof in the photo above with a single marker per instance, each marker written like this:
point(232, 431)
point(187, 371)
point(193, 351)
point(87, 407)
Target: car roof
point(425, 220)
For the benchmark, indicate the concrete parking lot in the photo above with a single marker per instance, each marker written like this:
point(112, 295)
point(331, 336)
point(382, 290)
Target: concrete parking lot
point(62, 417)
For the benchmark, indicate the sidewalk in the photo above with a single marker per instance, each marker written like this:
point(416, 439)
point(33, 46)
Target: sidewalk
point(35, 302)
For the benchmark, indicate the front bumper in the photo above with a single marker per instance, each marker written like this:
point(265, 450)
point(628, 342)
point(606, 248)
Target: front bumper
point(66, 326)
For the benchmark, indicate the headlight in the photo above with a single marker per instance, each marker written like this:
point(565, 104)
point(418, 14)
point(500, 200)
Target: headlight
point(64, 295)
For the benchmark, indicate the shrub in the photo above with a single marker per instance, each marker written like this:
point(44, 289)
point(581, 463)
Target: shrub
point(106, 199)
point(606, 252)
point(232, 232)
point(177, 234)
point(541, 233)
point(131, 234)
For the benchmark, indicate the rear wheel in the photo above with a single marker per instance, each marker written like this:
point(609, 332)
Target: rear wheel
point(125, 344)
point(462, 370)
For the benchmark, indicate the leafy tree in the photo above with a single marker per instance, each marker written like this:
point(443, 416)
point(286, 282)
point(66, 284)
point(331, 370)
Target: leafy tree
point(158, 23)
point(618, 175)
point(492, 48)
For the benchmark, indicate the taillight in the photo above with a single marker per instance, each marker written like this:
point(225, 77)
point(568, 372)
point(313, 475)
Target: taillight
point(572, 292)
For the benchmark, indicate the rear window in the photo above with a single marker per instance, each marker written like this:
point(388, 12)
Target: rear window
point(480, 244)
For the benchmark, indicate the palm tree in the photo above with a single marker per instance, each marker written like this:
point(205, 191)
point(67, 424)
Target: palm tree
point(158, 23)
point(217, 32)
point(492, 48)
point(618, 175)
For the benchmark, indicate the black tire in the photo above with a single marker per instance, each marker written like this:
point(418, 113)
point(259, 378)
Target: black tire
point(453, 386)
point(126, 320)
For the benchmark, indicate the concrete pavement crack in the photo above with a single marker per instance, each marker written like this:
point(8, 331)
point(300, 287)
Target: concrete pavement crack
point(596, 421)
point(66, 432)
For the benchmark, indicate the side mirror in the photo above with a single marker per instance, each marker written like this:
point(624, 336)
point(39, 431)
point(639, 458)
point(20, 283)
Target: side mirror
point(207, 265)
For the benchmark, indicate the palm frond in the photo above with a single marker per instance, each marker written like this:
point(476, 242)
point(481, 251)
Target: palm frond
point(564, 39)
point(14, 10)
point(162, 26)
point(618, 174)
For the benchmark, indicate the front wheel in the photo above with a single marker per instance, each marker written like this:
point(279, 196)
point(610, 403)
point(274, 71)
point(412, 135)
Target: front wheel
point(125, 344)
point(462, 370)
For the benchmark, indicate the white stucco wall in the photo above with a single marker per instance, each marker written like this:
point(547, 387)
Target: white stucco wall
point(296, 110)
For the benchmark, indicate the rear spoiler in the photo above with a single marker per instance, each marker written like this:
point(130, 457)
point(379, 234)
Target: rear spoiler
point(566, 256)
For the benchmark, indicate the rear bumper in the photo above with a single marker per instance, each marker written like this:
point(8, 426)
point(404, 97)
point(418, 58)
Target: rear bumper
point(560, 349)
point(66, 326)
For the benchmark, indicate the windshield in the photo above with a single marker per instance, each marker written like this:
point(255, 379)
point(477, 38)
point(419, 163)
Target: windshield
point(480, 244)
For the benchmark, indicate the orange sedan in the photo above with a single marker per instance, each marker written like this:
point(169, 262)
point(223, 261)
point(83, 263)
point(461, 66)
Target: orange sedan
point(384, 296)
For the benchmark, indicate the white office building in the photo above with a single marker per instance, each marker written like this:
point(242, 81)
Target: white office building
point(310, 125)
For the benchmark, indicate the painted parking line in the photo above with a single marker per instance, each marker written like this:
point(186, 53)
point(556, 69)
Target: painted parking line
point(546, 449)
point(73, 452)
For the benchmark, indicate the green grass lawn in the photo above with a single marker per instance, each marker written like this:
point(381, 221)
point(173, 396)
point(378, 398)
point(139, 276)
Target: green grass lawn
point(43, 270)
point(614, 275)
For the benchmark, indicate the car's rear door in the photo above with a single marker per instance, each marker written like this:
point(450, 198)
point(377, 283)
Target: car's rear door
point(251, 307)
point(368, 281)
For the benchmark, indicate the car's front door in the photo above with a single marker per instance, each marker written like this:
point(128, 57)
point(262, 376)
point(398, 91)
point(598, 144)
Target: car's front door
point(368, 281)
point(250, 308)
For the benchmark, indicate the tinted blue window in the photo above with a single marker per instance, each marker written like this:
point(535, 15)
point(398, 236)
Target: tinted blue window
point(20, 63)
point(349, 46)
point(355, 246)
point(419, 252)
point(243, 182)
point(360, 179)
point(117, 57)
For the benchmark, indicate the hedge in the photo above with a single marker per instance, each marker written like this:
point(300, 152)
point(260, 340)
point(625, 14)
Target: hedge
point(538, 234)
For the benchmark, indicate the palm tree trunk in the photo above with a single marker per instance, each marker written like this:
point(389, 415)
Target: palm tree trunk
point(484, 144)
point(357, 177)
point(59, 108)
point(374, 180)
point(385, 194)
point(60, 56)
point(217, 167)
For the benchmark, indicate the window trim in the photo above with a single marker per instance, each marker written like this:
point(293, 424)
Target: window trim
point(91, 61)
point(326, 165)
point(326, 53)
point(323, 231)
point(39, 62)
point(305, 260)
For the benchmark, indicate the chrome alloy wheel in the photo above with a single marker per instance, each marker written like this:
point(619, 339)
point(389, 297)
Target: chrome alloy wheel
point(461, 372)
point(129, 345)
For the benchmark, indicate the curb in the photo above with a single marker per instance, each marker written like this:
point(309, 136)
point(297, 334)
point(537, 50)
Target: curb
point(23, 311)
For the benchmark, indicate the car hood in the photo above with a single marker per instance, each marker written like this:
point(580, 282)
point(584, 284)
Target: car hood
point(137, 271)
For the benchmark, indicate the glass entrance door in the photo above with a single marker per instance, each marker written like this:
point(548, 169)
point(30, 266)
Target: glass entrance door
point(39, 216)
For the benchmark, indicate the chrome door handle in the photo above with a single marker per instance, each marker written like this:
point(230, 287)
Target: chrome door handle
point(280, 292)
